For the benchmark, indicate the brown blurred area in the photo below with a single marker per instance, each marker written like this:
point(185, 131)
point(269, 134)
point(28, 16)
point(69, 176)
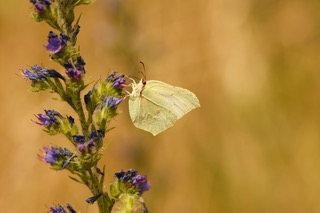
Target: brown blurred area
point(252, 146)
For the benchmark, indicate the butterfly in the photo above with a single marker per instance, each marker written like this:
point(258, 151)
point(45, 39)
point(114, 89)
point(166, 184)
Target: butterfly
point(155, 106)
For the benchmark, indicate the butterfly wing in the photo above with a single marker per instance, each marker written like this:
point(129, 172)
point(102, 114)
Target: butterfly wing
point(157, 106)
point(177, 100)
point(150, 116)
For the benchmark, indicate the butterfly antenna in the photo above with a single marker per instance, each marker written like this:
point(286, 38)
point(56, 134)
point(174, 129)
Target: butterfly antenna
point(144, 73)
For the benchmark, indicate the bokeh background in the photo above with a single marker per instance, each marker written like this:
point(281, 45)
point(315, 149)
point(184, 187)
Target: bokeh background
point(252, 146)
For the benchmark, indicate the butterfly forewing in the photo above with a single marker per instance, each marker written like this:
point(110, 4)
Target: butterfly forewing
point(177, 100)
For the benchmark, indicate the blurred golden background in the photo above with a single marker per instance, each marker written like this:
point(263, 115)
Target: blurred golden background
point(252, 146)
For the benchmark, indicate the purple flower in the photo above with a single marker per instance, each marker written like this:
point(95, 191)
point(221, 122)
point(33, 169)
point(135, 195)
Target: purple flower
point(111, 101)
point(91, 144)
point(111, 76)
point(30, 75)
point(60, 209)
point(127, 175)
point(119, 82)
point(40, 73)
point(81, 147)
point(49, 118)
point(131, 177)
point(141, 182)
point(76, 70)
point(41, 5)
point(51, 155)
point(80, 139)
point(52, 114)
point(44, 120)
point(56, 43)
point(80, 64)
point(96, 135)
point(55, 154)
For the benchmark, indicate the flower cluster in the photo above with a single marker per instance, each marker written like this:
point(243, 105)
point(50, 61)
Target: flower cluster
point(94, 137)
point(75, 71)
point(127, 190)
point(60, 209)
point(55, 123)
point(131, 179)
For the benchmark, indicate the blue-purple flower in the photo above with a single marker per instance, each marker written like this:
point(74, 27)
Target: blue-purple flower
point(141, 182)
point(81, 147)
point(55, 154)
point(96, 135)
point(31, 75)
point(44, 120)
point(111, 101)
point(56, 43)
point(111, 76)
point(49, 118)
point(60, 209)
point(44, 72)
point(127, 175)
point(80, 139)
point(40, 73)
point(80, 64)
point(40, 5)
point(51, 155)
point(118, 82)
point(131, 177)
point(76, 70)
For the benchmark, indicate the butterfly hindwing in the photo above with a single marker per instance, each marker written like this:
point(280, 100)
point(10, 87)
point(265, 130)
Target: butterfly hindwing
point(150, 117)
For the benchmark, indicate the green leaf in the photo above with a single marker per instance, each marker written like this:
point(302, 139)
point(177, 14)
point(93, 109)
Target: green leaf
point(86, 2)
point(75, 179)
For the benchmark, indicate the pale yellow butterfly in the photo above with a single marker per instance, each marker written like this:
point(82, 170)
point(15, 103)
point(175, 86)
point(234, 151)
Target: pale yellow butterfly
point(155, 106)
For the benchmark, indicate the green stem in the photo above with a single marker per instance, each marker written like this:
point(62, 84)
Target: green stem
point(104, 203)
point(79, 110)
point(65, 29)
